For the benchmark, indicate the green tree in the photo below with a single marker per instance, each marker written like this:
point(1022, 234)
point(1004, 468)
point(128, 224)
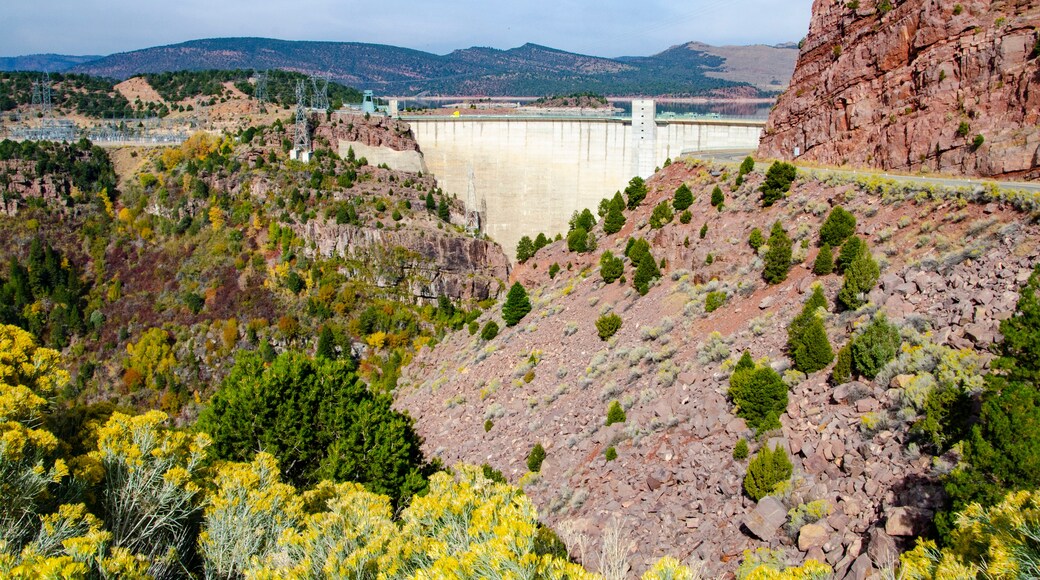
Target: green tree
point(637, 250)
point(824, 263)
point(524, 249)
point(778, 258)
point(813, 351)
point(704, 230)
point(610, 267)
point(838, 226)
point(740, 451)
point(319, 420)
point(860, 277)
point(717, 198)
point(540, 242)
point(431, 204)
point(578, 241)
point(842, 371)
point(760, 396)
point(766, 469)
point(490, 330)
point(875, 347)
point(584, 220)
point(746, 166)
point(517, 305)
point(778, 182)
point(326, 344)
point(615, 414)
point(614, 220)
point(683, 198)
point(646, 272)
point(852, 249)
point(636, 192)
point(442, 211)
point(661, 215)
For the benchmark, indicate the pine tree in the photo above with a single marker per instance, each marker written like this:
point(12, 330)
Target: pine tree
point(431, 205)
point(326, 344)
point(517, 305)
point(766, 469)
point(683, 198)
point(746, 166)
point(778, 258)
point(704, 230)
point(636, 192)
point(610, 267)
point(756, 240)
point(645, 273)
point(849, 252)
point(838, 226)
point(614, 220)
point(524, 249)
point(860, 278)
point(813, 351)
point(540, 242)
point(717, 198)
point(824, 263)
point(777, 183)
point(442, 210)
point(842, 371)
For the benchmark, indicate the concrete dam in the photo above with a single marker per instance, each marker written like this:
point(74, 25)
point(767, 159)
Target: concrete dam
point(529, 174)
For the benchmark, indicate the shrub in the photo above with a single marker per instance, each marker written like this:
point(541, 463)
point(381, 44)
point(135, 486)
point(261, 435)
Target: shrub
point(860, 278)
point(535, 458)
point(838, 226)
point(756, 240)
point(778, 182)
point(714, 300)
point(963, 129)
point(824, 263)
point(554, 270)
point(842, 371)
point(849, 252)
point(873, 349)
point(635, 192)
point(740, 451)
point(608, 325)
point(490, 330)
point(813, 351)
point(683, 198)
point(977, 141)
point(645, 273)
point(778, 258)
point(615, 414)
point(760, 395)
point(661, 215)
point(611, 453)
point(704, 230)
point(766, 469)
point(577, 240)
point(610, 267)
point(517, 305)
point(717, 198)
point(685, 217)
point(488, 424)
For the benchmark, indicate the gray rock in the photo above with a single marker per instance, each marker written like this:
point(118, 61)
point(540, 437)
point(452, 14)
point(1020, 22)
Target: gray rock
point(882, 548)
point(907, 521)
point(766, 518)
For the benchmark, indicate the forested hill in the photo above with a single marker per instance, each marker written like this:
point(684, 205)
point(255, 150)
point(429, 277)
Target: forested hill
point(526, 70)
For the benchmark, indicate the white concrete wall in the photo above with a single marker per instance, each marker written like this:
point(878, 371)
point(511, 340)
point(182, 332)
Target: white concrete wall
point(534, 173)
point(398, 160)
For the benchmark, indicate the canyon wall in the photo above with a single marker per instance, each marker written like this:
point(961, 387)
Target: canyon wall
point(915, 85)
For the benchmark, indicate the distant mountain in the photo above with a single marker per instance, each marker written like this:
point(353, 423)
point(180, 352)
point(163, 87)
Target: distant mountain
point(692, 69)
point(43, 62)
point(769, 68)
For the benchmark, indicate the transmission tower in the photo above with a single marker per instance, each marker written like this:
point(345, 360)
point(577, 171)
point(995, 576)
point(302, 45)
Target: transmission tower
point(46, 80)
point(37, 95)
point(301, 139)
point(320, 98)
point(261, 87)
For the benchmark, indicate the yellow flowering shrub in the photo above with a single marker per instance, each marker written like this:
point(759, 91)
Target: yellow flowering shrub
point(998, 543)
point(151, 356)
point(766, 564)
point(668, 568)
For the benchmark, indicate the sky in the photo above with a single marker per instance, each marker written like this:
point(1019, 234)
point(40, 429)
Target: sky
point(607, 28)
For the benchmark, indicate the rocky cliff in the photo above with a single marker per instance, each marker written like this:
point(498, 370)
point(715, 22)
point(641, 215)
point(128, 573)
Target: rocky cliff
point(915, 85)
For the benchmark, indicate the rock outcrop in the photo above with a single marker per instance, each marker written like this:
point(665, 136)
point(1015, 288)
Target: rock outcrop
point(915, 85)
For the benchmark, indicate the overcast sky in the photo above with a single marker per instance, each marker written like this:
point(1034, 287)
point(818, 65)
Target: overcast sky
point(603, 27)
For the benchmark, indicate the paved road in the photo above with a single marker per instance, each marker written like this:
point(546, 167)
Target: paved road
point(738, 155)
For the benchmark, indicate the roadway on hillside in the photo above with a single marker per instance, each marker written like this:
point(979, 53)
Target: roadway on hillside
point(735, 156)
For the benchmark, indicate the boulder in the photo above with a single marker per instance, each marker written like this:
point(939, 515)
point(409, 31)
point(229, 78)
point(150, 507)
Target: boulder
point(882, 548)
point(812, 536)
point(766, 518)
point(907, 521)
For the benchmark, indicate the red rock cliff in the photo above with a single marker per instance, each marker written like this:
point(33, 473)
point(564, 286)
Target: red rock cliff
point(911, 85)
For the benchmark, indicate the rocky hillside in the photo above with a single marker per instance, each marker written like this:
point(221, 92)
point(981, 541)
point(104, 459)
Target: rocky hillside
point(916, 85)
point(864, 483)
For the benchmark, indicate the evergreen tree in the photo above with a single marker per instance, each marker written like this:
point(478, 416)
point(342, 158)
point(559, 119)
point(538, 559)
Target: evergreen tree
point(860, 278)
point(442, 211)
point(756, 240)
point(614, 220)
point(524, 249)
point(778, 258)
point(704, 230)
point(661, 215)
point(326, 344)
point(838, 226)
point(636, 192)
point(540, 242)
point(610, 267)
point(824, 263)
point(745, 363)
point(760, 395)
point(683, 198)
point(645, 273)
point(766, 469)
point(717, 198)
point(618, 201)
point(746, 166)
point(577, 241)
point(636, 250)
point(584, 220)
point(813, 351)
point(849, 252)
point(875, 347)
point(517, 305)
point(431, 204)
point(778, 182)
point(842, 371)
